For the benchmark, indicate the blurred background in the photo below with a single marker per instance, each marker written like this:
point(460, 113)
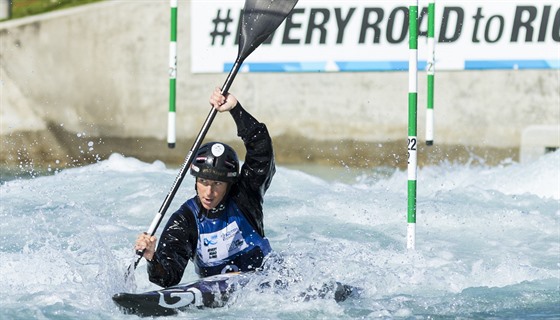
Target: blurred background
point(82, 79)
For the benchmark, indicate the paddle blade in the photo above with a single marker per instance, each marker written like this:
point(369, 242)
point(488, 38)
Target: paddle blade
point(260, 19)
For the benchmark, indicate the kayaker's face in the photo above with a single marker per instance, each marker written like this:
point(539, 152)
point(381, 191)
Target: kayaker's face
point(210, 192)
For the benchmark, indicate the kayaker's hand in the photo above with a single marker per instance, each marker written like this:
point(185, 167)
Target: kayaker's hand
point(222, 103)
point(146, 243)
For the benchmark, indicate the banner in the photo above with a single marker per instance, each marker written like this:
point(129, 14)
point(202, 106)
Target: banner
point(372, 35)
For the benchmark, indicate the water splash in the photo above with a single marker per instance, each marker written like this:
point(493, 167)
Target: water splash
point(487, 241)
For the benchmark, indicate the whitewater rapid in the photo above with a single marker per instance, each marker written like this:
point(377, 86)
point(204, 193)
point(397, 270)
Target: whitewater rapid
point(487, 241)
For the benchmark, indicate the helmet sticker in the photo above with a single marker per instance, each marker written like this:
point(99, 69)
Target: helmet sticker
point(218, 149)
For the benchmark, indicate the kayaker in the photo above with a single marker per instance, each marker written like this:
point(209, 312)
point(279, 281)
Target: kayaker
point(221, 228)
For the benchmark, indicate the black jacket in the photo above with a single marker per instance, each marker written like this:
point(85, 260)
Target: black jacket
point(178, 241)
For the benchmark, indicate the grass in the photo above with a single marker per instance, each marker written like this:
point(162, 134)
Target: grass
point(24, 8)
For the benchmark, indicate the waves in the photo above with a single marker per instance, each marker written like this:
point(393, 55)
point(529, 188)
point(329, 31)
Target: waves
point(487, 241)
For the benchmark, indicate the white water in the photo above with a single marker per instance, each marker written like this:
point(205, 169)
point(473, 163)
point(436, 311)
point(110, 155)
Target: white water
point(488, 242)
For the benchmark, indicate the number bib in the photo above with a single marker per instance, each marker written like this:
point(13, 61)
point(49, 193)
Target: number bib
point(228, 242)
point(220, 245)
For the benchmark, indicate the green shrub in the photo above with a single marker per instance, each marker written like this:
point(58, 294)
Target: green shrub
point(23, 8)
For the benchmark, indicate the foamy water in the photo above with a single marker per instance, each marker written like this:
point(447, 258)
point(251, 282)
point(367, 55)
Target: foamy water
point(487, 242)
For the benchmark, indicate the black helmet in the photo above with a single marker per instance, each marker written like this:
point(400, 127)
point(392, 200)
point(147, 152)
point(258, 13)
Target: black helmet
point(216, 161)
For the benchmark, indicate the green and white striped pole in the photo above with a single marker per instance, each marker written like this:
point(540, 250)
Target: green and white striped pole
point(172, 76)
point(431, 69)
point(412, 119)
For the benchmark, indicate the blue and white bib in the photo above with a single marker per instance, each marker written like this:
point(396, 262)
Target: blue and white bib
point(227, 243)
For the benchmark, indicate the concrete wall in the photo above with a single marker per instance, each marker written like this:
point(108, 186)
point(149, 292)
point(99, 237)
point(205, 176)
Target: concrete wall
point(81, 83)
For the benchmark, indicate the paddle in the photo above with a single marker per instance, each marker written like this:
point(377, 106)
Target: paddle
point(260, 18)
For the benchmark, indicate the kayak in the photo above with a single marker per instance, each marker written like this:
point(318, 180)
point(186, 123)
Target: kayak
point(209, 292)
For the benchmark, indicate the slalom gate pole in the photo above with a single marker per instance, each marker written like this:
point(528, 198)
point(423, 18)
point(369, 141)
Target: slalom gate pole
point(172, 76)
point(431, 69)
point(412, 119)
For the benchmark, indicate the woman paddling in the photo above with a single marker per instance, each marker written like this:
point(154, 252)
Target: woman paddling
point(221, 228)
